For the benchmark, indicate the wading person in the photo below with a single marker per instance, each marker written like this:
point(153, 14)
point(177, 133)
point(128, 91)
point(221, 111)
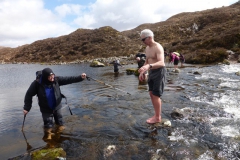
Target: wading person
point(182, 59)
point(116, 63)
point(47, 89)
point(174, 57)
point(157, 72)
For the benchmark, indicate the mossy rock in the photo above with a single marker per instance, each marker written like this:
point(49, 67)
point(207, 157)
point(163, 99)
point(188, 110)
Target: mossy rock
point(226, 62)
point(136, 73)
point(48, 154)
point(96, 64)
point(131, 71)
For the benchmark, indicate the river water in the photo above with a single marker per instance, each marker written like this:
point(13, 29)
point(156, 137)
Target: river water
point(108, 123)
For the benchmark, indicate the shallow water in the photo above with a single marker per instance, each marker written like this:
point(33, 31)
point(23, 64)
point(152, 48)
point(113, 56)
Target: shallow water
point(108, 123)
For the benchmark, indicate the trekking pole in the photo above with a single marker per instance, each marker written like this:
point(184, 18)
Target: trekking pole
point(28, 145)
point(23, 121)
point(88, 78)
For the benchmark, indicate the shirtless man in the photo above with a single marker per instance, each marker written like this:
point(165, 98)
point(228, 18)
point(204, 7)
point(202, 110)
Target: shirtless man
point(157, 72)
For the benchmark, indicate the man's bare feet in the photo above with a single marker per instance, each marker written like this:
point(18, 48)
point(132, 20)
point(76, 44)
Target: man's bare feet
point(153, 120)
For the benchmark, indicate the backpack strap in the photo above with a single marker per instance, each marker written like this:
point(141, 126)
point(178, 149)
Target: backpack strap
point(66, 103)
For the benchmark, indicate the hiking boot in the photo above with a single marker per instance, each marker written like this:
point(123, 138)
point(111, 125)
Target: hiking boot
point(48, 134)
point(60, 129)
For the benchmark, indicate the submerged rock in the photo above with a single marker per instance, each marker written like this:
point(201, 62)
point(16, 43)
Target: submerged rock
point(176, 70)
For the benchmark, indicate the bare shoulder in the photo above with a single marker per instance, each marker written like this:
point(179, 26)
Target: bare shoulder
point(159, 46)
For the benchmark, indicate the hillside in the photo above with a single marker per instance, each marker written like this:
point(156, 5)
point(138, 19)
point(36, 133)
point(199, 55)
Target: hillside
point(203, 37)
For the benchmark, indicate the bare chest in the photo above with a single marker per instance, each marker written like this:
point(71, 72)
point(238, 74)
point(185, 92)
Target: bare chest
point(151, 53)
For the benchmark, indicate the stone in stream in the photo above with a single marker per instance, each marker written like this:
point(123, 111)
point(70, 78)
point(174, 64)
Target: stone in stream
point(51, 153)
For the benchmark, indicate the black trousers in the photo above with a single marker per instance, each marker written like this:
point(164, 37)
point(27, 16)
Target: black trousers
point(48, 118)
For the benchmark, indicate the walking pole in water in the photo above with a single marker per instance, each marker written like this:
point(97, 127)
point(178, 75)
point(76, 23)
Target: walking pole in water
point(28, 145)
point(23, 121)
point(107, 84)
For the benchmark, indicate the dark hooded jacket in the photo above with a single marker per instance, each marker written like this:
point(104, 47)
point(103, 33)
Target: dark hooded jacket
point(38, 88)
point(142, 57)
point(116, 63)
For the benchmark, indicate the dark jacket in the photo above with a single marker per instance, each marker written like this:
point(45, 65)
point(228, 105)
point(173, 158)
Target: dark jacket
point(142, 57)
point(38, 89)
point(141, 62)
point(115, 64)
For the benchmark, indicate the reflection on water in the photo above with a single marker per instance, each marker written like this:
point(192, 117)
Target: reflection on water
point(108, 123)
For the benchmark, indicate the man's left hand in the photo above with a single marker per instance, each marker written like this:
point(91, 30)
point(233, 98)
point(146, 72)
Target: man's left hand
point(83, 75)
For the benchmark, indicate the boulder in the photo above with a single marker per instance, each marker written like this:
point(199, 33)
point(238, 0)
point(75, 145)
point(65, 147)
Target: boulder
point(96, 64)
point(238, 73)
point(226, 62)
point(178, 114)
point(131, 71)
point(197, 72)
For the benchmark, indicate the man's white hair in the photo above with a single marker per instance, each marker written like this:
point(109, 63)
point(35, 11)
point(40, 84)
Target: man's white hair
point(147, 33)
